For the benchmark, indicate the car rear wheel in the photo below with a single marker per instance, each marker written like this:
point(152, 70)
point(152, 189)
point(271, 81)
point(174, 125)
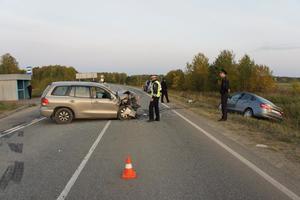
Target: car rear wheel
point(63, 116)
point(248, 113)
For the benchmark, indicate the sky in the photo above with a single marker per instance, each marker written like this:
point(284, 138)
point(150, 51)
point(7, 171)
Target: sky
point(143, 36)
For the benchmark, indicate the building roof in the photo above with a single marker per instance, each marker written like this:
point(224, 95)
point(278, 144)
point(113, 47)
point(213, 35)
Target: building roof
point(6, 77)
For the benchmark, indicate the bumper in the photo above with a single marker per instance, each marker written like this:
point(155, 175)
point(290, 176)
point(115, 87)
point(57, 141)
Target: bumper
point(46, 112)
point(270, 115)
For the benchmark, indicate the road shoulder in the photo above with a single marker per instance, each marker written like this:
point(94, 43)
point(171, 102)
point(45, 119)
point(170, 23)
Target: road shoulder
point(273, 155)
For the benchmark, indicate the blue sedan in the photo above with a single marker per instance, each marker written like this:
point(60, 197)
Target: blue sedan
point(252, 105)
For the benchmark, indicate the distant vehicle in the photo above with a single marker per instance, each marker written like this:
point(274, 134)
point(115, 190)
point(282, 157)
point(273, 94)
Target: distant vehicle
point(65, 101)
point(252, 105)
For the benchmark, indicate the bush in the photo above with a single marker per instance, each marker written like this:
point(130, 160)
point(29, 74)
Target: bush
point(296, 87)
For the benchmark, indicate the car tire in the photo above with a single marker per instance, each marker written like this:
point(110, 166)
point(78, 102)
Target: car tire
point(63, 116)
point(248, 113)
point(120, 113)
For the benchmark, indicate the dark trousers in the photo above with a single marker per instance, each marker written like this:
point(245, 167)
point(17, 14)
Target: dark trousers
point(224, 98)
point(164, 93)
point(29, 93)
point(154, 106)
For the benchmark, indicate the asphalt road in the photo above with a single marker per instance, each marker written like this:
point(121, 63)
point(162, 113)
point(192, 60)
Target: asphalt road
point(173, 158)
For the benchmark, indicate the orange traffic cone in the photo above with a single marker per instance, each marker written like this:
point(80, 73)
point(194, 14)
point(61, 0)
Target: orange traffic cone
point(128, 172)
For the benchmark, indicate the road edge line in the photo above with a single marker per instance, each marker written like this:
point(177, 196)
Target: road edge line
point(14, 129)
point(249, 164)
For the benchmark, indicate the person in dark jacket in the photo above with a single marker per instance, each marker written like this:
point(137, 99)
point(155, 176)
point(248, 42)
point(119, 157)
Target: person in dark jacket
point(29, 88)
point(154, 102)
point(164, 91)
point(224, 90)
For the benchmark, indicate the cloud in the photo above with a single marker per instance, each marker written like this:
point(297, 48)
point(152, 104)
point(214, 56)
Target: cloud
point(282, 47)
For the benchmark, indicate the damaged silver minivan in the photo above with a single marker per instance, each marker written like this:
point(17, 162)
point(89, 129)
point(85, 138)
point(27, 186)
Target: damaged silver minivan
point(65, 101)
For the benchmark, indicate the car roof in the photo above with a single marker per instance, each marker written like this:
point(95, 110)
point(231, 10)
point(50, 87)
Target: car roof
point(79, 83)
point(263, 100)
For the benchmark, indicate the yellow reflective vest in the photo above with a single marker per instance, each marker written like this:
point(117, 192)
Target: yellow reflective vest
point(158, 94)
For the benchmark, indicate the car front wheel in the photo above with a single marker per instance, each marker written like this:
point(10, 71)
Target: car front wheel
point(122, 115)
point(63, 116)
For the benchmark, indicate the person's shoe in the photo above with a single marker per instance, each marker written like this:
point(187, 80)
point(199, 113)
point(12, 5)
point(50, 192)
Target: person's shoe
point(222, 120)
point(162, 102)
point(150, 120)
point(157, 120)
point(168, 102)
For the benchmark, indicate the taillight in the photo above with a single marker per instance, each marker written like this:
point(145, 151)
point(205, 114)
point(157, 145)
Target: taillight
point(44, 102)
point(265, 106)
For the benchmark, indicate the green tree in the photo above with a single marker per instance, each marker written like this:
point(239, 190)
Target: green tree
point(262, 79)
point(226, 61)
point(9, 65)
point(175, 79)
point(137, 80)
point(246, 69)
point(197, 73)
point(43, 76)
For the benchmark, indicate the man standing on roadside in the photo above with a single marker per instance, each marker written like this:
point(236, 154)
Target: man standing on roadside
point(155, 95)
point(29, 88)
point(224, 90)
point(164, 91)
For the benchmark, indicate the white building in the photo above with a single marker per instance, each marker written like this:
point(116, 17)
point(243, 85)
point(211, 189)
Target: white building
point(14, 86)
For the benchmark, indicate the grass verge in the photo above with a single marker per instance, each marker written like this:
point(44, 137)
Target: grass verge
point(280, 136)
point(8, 106)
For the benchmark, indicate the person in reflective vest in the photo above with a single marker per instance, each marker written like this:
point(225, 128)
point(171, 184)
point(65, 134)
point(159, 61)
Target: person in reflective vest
point(154, 102)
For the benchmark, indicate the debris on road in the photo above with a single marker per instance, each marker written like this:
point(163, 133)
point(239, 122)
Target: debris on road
point(190, 101)
point(262, 146)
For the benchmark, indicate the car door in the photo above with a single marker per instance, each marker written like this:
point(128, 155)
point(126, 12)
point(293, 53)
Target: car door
point(243, 103)
point(81, 101)
point(233, 100)
point(104, 104)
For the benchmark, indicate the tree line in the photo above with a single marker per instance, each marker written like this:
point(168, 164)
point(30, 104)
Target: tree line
point(244, 75)
point(198, 75)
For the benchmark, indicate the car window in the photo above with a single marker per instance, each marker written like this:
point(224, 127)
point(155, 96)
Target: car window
point(60, 91)
point(253, 98)
point(263, 100)
point(99, 93)
point(72, 91)
point(246, 97)
point(82, 91)
point(236, 97)
point(46, 91)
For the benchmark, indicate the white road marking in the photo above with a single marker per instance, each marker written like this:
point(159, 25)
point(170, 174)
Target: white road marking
point(9, 130)
point(14, 129)
point(76, 174)
point(252, 166)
